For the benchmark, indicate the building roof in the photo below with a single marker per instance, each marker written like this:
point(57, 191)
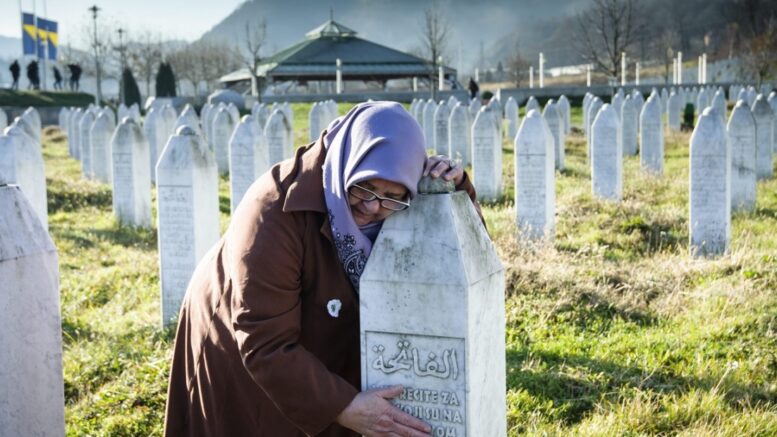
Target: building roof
point(315, 57)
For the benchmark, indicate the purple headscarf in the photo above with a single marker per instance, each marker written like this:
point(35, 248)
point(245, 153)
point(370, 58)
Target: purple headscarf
point(373, 140)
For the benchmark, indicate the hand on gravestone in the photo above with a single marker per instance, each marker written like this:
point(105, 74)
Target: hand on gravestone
point(371, 414)
point(441, 165)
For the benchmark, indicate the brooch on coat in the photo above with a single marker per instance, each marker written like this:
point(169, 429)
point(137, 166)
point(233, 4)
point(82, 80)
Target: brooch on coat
point(333, 306)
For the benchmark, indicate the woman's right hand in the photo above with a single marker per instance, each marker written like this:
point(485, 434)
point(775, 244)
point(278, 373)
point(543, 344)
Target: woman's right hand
point(371, 414)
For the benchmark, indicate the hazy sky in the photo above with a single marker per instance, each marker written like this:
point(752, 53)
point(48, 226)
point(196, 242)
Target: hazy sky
point(174, 19)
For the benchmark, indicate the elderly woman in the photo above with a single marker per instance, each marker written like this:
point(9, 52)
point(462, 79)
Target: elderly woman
point(260, 350)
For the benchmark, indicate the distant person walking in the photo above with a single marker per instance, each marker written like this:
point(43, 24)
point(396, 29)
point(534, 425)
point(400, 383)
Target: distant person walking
point(15, 69)
point(57, 78)
point(75, 76)
point(33, 76)
point(473, 88)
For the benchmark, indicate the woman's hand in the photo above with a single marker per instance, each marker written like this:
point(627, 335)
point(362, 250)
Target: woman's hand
point(371, 414)
point(445, 167)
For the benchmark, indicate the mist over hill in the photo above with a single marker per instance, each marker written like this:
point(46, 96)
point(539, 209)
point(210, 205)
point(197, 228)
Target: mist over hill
point(398, 23)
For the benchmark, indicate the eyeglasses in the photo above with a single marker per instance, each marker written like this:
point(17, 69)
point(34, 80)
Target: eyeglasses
point(368, 195)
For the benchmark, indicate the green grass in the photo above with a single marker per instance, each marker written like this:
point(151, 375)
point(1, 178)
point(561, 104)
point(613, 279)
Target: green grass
point(44, 98)
point(612, 329)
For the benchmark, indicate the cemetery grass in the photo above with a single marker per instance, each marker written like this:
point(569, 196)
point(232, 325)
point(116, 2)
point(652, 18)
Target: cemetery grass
point(611, 329)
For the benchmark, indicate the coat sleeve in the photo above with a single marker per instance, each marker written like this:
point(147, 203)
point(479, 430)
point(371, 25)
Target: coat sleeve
point(466, 185)
point(266, 251)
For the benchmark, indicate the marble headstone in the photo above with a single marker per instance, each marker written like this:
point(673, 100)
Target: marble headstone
point(486, 156)
point(563, 103)
point(513, 119)
point(606, 155)
point(535, 188)
point(84, 128)
point(532, 103)
point(221, 131)
point(629, 122)
point(32, 392)
point(316, 120)
point(21, 163)
point(431, 306)
point(674, 111)
point(156, 132)
point(555, 122)
point(593, 110)
point(740, 134)
point(248, 158)
point(428, 122)
point(100, 138)
point(710, 187)
point(764, 134)
point(651, 137)
point(188, 214)
point(64, 115)
point(131, 175)
point(441, 116)
point(459, 134)
point(275, 133)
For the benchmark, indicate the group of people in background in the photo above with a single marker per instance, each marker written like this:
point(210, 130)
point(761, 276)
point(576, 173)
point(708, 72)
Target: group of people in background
point(33, 76)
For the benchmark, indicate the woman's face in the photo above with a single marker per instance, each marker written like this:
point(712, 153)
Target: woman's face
point(369, 211)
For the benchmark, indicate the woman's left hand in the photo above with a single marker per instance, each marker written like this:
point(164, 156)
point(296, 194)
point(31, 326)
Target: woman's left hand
point(445, 167)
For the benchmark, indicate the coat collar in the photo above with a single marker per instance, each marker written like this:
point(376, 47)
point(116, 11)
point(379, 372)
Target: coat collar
point(305, 191)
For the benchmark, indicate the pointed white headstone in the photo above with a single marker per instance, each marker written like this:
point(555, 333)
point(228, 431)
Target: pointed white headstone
point(532, 103)
point(606, 155)
point(32, 392)
point(441, 116)
point(155, 131)
point(740, 134)
point(651, 137)
point(710, 187)
point(486, 156)
point(73, 141)
point(428, 116)
point(221, 131)
point(188, 214)
point(566, 112)
point(674, 111)
point(436, 324)
point(513, 119)
point(764, 134)
point(555, 122)
point(629, 119)
point(316, 120)
point(593, 110)
point(248, 158)
point(275, 133)
point(535, 188)
point(131, 175)
point(21, 163)
point(459, 135)
point(100, 138)
point(64, 115)
point(84, 128)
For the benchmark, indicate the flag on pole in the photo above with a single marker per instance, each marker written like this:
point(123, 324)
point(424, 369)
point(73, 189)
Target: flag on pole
point(29, 34)
point(36, 39)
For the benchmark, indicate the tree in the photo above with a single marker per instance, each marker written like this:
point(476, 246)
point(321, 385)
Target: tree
point(607, 30)
point(165, 81)
point(255, 37)
point(517, 66)
point(145, 53)
point(435, 37)
point(760, 53)
point(203, 62)
point(130, 90)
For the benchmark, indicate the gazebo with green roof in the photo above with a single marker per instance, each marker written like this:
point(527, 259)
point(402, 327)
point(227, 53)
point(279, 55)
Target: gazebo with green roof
point(315, 59)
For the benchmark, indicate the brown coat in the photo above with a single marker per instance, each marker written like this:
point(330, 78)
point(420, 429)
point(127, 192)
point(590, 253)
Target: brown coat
point(257, 352)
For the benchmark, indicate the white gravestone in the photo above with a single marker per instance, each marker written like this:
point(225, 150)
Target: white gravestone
point(73, 141)
point(155, 130)
point(247, 158)
point(593, 111)
point(586, 102)
point(261, 113)
point(170, 117)
point(719, 104)
point(674, 111)
point(100, 138)
point(702, 100)
point(205, 114)
point(26, 122)
point(486, 156)
point(441, 116)
point(4, 120)
point(664, 100)
point(629, 120)
point(606, 155)
point(651, 137)
point(773, 103)
point(84, 128)
point(710, 187)
point(221, 131)
point(21, 163)
point(617, 104)
point(513, 119)
point(131, 175)
point(565, 108)
point(234, 113)
point(431, 306)
point(740, 134)
point(555, 122)
point(532, 104)
point(316, 120)
point(535, 188)
point(134, 112)
point(764, 132)
point(32, 392)
point(474, 108)
point(459, 135)
point(64, 115)
point(275, 135)
point(189, 118)
point(188, 214)
point(428, 116)
point(33, 116)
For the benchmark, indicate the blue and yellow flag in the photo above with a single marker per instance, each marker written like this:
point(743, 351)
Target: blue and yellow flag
point(36, 39)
